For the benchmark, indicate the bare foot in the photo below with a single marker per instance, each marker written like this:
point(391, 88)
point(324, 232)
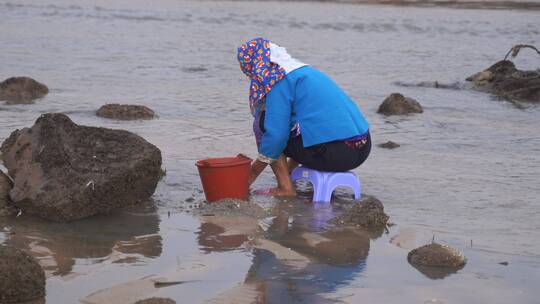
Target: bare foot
point(282, 192)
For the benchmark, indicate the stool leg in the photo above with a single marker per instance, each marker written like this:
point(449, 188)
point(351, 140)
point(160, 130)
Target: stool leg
point(328, 193)
point(357, 192)
point(318, 182)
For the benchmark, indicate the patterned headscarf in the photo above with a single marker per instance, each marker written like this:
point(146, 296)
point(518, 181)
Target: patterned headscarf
point(254, 59)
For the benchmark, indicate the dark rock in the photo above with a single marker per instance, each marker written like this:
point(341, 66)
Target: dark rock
point(504, 80)
point(436, 255)
point(21, 277)
point(6, 206)
point(156, 301)
point(63, 171)
point(369, 213)
point(397, 104)
point(125, 112)
point(389, 145)
point(21, 90)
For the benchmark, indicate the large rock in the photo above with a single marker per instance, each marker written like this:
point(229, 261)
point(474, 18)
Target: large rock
point(6, 207)
point(21, 277)
point(63, 171)
point(397, 104)
point(505, 81)
point(125, 112)
point(21, 89)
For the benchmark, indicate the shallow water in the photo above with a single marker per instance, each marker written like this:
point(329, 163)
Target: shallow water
point(467, 171)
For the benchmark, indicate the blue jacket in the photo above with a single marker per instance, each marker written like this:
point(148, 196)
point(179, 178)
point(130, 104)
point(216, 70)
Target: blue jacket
point(307, 96)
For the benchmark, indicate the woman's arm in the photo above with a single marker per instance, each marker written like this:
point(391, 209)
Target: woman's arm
point(257, 167)
point(277, 122)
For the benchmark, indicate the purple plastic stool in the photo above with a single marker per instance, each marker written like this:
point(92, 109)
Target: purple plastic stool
point(324, 183)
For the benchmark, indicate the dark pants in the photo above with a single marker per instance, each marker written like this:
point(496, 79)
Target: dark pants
point(334, 156)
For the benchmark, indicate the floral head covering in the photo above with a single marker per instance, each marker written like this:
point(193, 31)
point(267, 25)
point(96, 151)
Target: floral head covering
point(254, 59)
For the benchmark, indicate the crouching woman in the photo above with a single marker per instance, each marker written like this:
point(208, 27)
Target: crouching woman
point(300, 115)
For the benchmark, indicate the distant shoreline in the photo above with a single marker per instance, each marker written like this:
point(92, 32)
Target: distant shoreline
point(459, 4)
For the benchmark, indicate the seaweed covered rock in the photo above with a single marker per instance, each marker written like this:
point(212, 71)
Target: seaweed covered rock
point(21, 277)
point(397, 104)
point(6, 207)
point(21, 90)
point(389, 145)
point(232, 207)
point(63, 171)
point(504, 80)
point(156, 301)
point(436, 255)
point(125, 112)
point(369, 213)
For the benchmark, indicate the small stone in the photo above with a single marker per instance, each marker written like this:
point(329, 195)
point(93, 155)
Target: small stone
point(21, 277)
point(21, 90)
point(156, 301)
point(397, 104)
point(389, 145)
point(194, 69)
point(125, 112)
point(436, 255)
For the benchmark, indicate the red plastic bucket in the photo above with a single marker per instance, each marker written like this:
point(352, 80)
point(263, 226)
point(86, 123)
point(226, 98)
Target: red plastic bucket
point(225, 177)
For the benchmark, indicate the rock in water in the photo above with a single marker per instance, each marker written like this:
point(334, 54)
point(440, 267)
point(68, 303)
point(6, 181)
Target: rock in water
point(369, 213)
point(21, 89)
point(125, 112)
point(63, 171)
point(21, 277)
point(397, 104)
point(504, 80)
point(389, 145)
point(6, 207)
point(156, 301)
point(436, 255)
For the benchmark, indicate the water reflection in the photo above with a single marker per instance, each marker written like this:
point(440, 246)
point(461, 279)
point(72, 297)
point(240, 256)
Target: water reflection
point(125, 236)
point(435, 273)
point(211, 238)
point(324, 257)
